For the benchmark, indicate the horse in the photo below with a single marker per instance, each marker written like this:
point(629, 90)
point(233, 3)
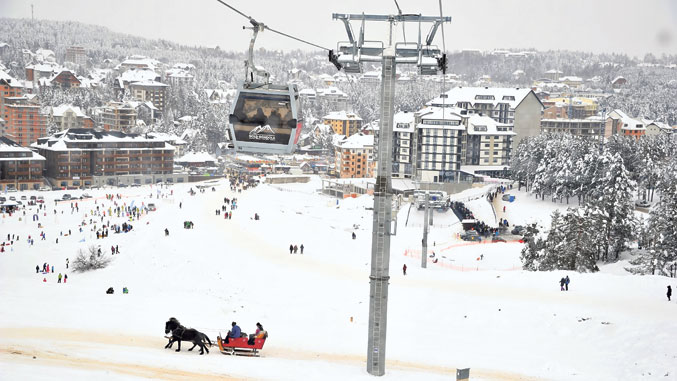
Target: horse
point(181, 333)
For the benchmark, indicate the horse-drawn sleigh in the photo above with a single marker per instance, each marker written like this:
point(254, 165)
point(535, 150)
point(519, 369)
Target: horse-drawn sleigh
point(241, 346)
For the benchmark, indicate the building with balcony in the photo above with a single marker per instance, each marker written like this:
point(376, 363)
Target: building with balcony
point(77, 156)
point(152, 91)
point(517, 106)
point(118, 116)
point(488, 146)
point(355, 157)
point(343, 123)
point(77, 55)
point(65, 79)
point(439, 144)
point(24, 120)
point(68, 116)
point(590, 127)
point(20, 168)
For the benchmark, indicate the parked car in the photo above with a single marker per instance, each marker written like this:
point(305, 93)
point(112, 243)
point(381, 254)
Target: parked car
point(505, 197)
point(85, 195)
point(518, 230)
point(2, 199)
point(41, 199)
point(24, 198)
point(66, 196)
point(642, 203)
point(497, 239)
point(152, 207)
point(12, 198)
point(471, 235)
point(34, 198)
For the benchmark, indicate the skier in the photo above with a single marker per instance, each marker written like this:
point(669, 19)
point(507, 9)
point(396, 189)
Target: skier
point(291, 248)
point(59, 281)
point(566, 283)
point(404, 269)
point(301, 247)
point(296, 248)
point(166, 232)
point(65, 278)
point(67, 262)
point(561, 284)
point(503, 208)
point(354, 235)
point(37, 270)
point(669, 292)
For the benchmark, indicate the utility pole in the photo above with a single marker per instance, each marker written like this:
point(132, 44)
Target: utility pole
point(353, 53)
point(424, 250)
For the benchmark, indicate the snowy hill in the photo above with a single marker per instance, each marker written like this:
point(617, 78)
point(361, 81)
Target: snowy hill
point(489, 315)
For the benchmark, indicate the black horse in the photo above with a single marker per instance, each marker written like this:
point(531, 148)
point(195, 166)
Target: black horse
point(181, 333)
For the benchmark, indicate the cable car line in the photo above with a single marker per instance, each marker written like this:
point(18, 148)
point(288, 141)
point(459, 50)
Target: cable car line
point(258, 24)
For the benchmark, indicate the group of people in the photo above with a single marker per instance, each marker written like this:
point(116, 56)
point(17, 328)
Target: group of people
point(564, 284)
point(293, 249)
point(46, 270)
point(235, 333)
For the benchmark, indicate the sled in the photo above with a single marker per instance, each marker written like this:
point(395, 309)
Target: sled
point(240, 347)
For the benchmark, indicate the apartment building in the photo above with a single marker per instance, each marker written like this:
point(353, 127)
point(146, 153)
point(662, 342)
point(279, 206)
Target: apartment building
point(590, 127)
point(355, 157)
point(438, 145)
point(77, 55)
point(487, 143)
point(75, 157)
point(343, 123)
point(68, 116)
point(517, 106)
point(118, 116)
point(333, 98)
point(24, 121)
point(20, 168)
point(403, 148)
point(153, 91)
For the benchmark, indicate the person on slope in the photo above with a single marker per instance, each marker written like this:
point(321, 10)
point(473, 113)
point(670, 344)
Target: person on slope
point(669, 292)
point(561, 284)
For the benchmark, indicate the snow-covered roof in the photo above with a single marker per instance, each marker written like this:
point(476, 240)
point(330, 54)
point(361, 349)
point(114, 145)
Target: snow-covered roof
point(331, 91)
point(553, 71)
point(170, 138)
point(342, 115)
point(8, 145)
point(307, 92)
point(140, 61)
point(494, 95)
point(628, 122)
point(58, 141)
point(138, 75)
point(358, 141)
point(150, 83)
point(196, 157)
point(484, 125)
point(60, 110)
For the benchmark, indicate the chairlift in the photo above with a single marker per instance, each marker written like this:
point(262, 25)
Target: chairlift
point(264, 117)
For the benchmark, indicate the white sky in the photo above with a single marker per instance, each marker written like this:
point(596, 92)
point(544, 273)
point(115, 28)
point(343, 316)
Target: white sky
point(624, 26)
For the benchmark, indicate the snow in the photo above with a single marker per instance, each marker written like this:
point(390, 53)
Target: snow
point(488, 315)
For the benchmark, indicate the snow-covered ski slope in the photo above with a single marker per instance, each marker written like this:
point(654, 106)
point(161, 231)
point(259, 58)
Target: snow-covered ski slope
point(488, 315)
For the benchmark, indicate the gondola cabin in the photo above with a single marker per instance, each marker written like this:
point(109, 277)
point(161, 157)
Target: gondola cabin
point(265, 118)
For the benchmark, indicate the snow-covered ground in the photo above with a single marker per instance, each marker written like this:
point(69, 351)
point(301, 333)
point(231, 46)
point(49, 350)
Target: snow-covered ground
point(488, 315)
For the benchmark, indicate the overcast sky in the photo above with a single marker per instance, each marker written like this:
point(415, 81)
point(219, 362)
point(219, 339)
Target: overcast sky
point(634, 27)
